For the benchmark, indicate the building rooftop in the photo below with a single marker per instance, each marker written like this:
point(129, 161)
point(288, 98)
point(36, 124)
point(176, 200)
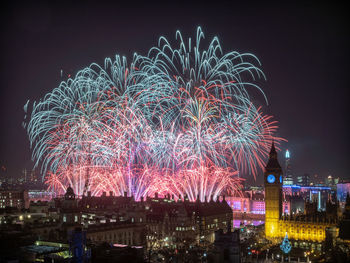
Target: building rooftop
point(42, 249)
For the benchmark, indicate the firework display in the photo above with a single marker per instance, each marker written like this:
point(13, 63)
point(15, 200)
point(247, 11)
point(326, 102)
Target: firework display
point(179, 120)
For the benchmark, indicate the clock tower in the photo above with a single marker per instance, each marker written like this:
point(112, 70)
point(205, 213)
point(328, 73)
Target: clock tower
point(273, 195)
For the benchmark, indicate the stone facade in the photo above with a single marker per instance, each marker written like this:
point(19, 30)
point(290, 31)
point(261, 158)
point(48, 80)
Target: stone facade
point(309, 226)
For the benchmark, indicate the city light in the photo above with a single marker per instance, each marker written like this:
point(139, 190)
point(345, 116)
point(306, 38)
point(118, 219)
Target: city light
point(287, 154)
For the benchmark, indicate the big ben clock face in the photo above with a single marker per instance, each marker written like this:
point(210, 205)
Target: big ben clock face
point(271, 178)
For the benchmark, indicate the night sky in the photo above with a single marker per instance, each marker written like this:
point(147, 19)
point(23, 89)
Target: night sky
point(303, 48)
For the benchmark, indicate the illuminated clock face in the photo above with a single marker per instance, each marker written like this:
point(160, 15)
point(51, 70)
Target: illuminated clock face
point(281, 179)
point(271, 178)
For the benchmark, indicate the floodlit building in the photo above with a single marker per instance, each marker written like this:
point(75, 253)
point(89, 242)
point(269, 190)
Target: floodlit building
point(307, 227)
point(40, 195)
point(247, 202)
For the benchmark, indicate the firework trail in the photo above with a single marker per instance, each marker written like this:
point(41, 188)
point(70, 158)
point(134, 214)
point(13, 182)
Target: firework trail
point(179, 120)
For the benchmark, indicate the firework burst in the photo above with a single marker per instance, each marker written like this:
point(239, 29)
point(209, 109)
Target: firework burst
point(179, 120)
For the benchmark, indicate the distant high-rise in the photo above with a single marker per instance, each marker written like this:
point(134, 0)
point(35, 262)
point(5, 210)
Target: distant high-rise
point(329, 180)
point(343, 189)
point(288, 177)
point(25, 175)
point(33, 176)
point(303, 180)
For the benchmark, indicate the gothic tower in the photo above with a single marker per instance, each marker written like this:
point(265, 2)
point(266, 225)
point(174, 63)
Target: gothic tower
point(273, 195)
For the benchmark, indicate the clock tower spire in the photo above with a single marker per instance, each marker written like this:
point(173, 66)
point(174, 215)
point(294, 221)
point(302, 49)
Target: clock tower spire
point(273, 194)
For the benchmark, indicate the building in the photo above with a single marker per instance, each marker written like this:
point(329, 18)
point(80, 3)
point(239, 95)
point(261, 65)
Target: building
point(25, 175)
point(40, 195)
point(126, 233)
point(42, 251)
point(247, 202)
point(344, 224)
point(182, 223)
point(14, 198)
point(297, 205)
point(210, 217)
point(319, 194)
point(162, 221)
point(70, 212)
point(227, 246)
point(273, 195)
point(288, 178)
point(29, 176)
point(248, 208)
point(303, 180)
point(343, 188)
point(307, 229)
point(329, 180)
point(116, 253)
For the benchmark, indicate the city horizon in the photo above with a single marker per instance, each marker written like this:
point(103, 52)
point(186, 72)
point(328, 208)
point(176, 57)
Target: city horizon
point(174, 132)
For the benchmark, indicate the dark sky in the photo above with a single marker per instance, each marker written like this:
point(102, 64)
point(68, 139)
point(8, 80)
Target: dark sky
point(304, 50)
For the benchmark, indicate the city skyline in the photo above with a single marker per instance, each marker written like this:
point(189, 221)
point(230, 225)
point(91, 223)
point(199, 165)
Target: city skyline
point(174, 131)
point(307, 99)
